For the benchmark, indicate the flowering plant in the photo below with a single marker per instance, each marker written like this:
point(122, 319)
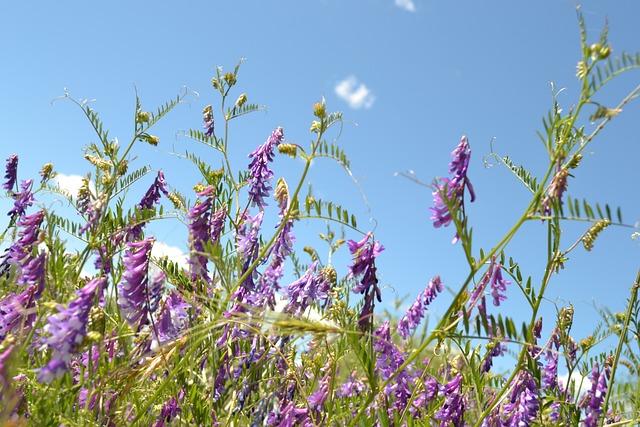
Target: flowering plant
point(96, 328)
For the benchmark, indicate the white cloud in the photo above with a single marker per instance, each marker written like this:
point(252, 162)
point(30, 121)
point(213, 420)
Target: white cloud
point(72, 183)
point(357, 96)
point(174, 253)
point(408, 5)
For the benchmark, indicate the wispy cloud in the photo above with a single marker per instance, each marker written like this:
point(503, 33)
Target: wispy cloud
point(356, 95)
point(72, 183)
point(174, 253)
point(408, 5)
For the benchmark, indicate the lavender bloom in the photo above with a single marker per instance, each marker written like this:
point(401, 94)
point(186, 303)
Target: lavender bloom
point(207, 118)
point(451, 190)
point(494, 349)
point(388, 362)
point(364, 255)
point(18, 312)
point(200, 234)
point(452, 409)
point(23, 199)
point(351, 387)
point(151, 197)
point(11, 172)
point(318, 399)
point(283, 247)
point(217, 224)
point(133, 292)
point(19, 253)
point(415, 314)
point(523, 405)
point(170, 410)
point(260, 174)
point(498, 285)
point(67, 329)
point(306, 290)
point(595, 397)
point(550, 372)
point(556, 188)
point(172, 319)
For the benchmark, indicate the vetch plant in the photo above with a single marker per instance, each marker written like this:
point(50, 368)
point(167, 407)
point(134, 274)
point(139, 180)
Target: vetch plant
point(250, 331)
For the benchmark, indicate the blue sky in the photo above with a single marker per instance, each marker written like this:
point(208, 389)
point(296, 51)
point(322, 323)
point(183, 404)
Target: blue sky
point(411, 76)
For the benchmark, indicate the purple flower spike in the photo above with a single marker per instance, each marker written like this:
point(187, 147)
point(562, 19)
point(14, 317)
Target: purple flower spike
point(595, 397)
point(451, 190)
point(452, 409)
point(200, 234)
point(364, 256)
point(260, 174)
point(207, 118)
point(18, 312)
point(68, 328)
point(415, 314)
point(152, 196)
point(23, 199)
point(133, 292)
point(498, 285)
point(523, 406)
point(12, 173)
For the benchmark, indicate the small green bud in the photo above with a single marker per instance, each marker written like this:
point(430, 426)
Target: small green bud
point(315, 127)
point(241, 100)
point(199, 187)
point(319, 110)
point(604, 52)
point(47, 172)
point(151, 139)
point(230, 78)
point(288, 149)
point(100, 163)
point(214, 83)
point(575, 161)
point(175, 199)
point(143, 117)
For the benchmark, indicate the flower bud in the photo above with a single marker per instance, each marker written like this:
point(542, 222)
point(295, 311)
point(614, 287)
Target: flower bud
point(230, 78)
point(319, 110)
point(143, 117)
point(151, 139)
point(289, 149)
point(315, 127)
point(214, 83)
point(241, 100)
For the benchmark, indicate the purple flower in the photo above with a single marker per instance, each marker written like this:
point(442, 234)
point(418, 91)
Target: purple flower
point(172, 319)
point(200, 234)
point(306, 290)
point(388, 362)
point(364, 256)
point(217, 223)
point(556, 188)
point(67, 329)
point(449, 192)
point(23, 199)
point(498, 285)
point(595, 397)
point(20, 252)
point(414, 315)
point(207, 118)
point(11, 172)
point(452, 408)
point(523, 405)
point(170, 410)
point(18, 312)
point(550, 372)
point(133, 292)
point(151, 197)
point(259, 173)
point(351, 387)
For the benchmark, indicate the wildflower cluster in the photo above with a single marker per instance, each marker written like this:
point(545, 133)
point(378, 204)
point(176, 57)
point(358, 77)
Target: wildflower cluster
point(98, 327)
